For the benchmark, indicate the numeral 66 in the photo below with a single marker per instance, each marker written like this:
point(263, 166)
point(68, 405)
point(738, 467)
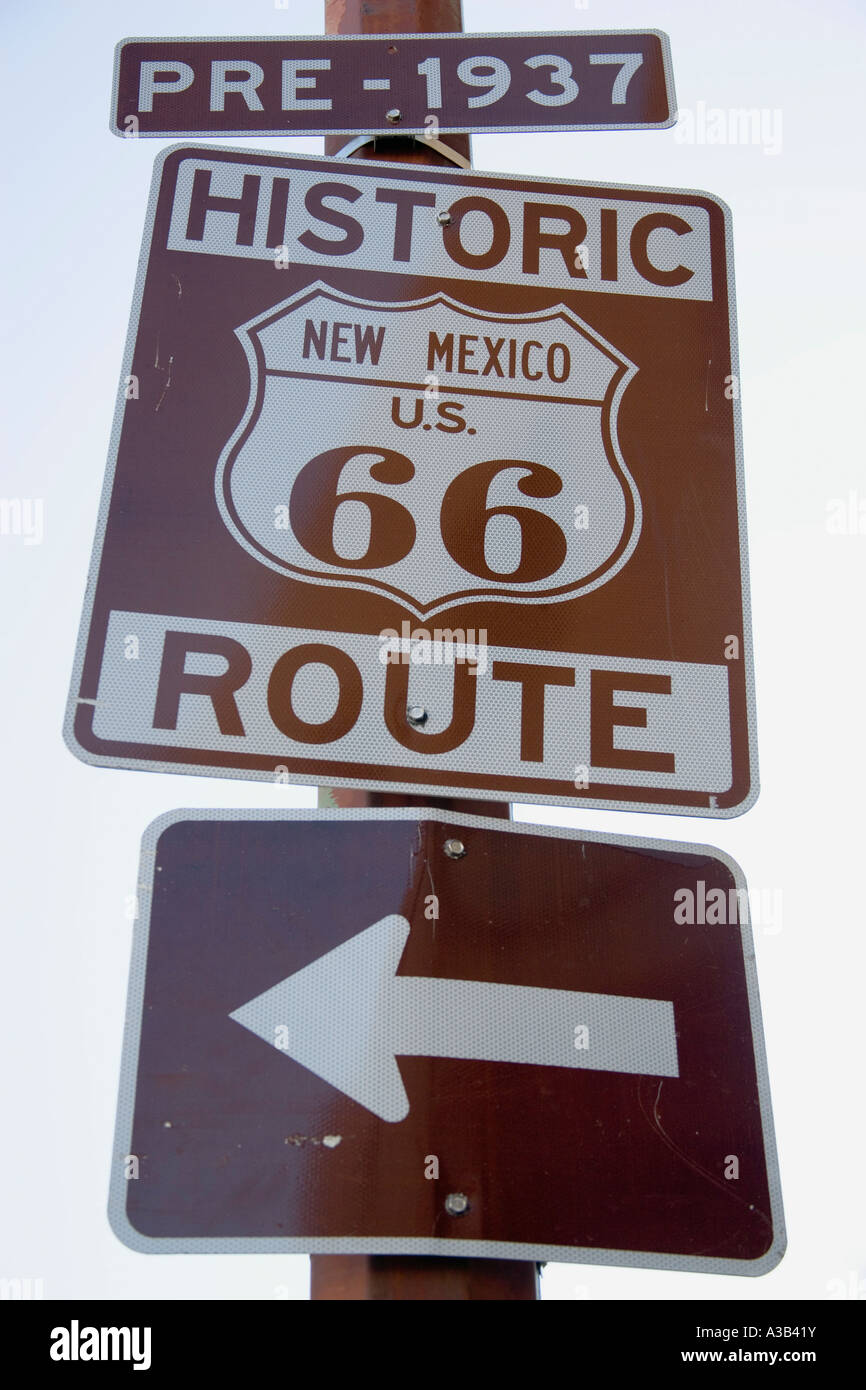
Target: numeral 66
point(463, 522)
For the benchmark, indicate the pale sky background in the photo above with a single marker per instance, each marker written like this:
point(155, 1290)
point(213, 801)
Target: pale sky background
point(75, 204)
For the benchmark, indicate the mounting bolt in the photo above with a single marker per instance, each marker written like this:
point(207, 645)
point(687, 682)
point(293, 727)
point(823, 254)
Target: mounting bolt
point(455, 849)
point(443, 217)
point(416, 715)
point(393, 117)
point(456, 1203)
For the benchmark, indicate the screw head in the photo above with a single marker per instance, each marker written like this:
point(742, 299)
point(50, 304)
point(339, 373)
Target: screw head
point(455, 849)
point(393, 117)
point(443, 217)
point(456, 1203)
point(416, 715)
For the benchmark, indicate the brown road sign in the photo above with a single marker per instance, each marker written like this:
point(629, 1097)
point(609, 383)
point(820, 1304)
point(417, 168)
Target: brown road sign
point(416, 1032)
point(425, 481)
point(420, 83)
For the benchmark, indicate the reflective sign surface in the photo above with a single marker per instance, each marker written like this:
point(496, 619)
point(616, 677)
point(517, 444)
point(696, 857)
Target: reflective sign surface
point(428, 481)
point(393, 83)
point(411, 1031)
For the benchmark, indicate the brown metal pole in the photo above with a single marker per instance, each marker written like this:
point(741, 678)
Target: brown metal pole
point(409, 1277)
point(396, 17)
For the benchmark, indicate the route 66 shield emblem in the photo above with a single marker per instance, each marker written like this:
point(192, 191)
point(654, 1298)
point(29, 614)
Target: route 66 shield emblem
point(429, 451)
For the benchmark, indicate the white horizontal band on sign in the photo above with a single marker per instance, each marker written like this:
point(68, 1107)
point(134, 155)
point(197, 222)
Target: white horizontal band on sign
point(673, 731)
point(376, 222)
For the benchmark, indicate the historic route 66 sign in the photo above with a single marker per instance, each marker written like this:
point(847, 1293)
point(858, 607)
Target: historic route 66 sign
point(429, 480)
point(493, 482)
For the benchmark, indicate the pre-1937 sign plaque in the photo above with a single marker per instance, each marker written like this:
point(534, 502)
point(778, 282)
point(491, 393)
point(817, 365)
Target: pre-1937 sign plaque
point(425, 480)
point(422, 83)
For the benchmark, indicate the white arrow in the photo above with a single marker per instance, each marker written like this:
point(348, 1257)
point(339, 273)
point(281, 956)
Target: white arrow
point(349, 1015)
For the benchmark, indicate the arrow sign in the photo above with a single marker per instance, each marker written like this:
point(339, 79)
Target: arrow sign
point(328, 963)
point(347, 1016)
